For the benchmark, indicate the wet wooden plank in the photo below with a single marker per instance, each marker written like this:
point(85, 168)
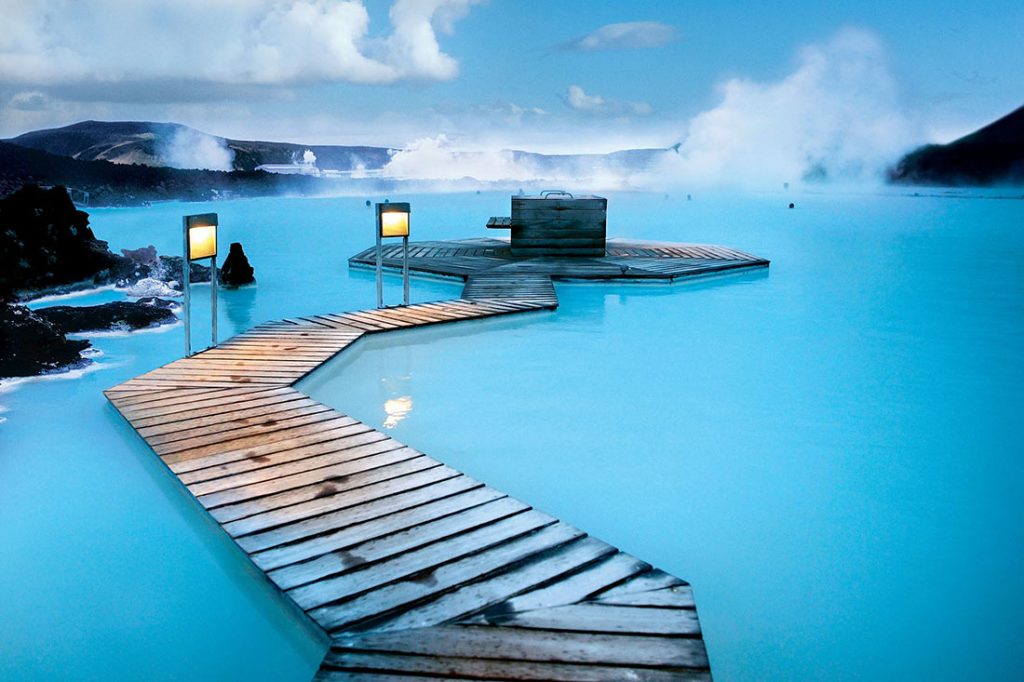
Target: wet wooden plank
point(489, 642)
point(369, 508)
point(474, 597)
point(343, 664)
point(347, 443)
point(578, 586)
point(309, 501)
point(680, 597)
point(262, 482)
point(404, 532)
point(594, 617)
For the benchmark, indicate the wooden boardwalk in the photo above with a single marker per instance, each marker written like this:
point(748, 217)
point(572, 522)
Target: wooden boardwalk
point(629, 260)
point(412, 569)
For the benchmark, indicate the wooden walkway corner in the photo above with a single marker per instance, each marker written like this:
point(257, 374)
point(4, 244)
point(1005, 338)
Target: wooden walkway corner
point(411, 568)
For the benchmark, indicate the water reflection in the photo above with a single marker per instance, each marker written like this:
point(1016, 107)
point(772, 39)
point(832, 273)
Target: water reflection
point(238, 304)
point(395, 386)
point(396, 410)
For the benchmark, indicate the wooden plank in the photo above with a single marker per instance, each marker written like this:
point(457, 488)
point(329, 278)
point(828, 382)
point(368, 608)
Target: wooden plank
point(680, 597)
point(645, 582)
point(142, 418)
point(192, 383)
point(131, 399)
point(594, 617)
point(578, 586)
point(327, 433)
point(263, 482)
point(412, 577)
point(346, 534)
point(497, 643)
point(403, 533)
point(231, 425)
point(343, 664)
point(303, 503)
point(265, 431)
point(474, 597)
point(346, 442)
point(366, 509)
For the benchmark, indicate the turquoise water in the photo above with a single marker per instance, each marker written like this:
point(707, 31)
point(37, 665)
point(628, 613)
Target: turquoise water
point(829, 450)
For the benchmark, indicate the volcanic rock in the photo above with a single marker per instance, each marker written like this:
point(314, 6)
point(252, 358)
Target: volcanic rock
point(118, 316)
point(46, 242)
point(236, 270)
point(31, 345)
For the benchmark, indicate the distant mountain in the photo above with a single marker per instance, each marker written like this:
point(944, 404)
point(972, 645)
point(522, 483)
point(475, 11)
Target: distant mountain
point(178, 146)
point(992, 155)
point(110, 184)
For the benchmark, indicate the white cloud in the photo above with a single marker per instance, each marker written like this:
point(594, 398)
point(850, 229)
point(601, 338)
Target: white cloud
point(29, 101)
point(625, 36)
point(261, 42)
point(579, 100)
point(836, 114)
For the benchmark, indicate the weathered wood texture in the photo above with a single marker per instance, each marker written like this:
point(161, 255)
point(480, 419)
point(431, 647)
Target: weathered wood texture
point(556, 225)
point(619, 260)
point(413, 569)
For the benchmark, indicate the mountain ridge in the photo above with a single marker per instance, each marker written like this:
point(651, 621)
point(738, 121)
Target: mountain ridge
point(991, 155)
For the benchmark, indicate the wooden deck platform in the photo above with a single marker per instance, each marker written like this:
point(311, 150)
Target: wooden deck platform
point(412, 569)
point(628, 260)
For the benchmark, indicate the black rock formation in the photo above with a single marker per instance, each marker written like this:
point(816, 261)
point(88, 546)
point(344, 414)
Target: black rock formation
point(236, 270)
point(993, 155)
point(118, 315)
point(46, 242)
point(31, 345)
point(170, 270)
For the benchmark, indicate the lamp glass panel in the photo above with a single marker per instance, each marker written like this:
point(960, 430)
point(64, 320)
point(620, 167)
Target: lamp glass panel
point(394, 224)
point(202, 242)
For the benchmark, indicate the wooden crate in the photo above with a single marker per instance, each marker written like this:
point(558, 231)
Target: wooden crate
point(559, 224)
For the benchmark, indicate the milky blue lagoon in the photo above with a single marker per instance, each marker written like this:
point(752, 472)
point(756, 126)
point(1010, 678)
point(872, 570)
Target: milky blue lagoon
point(830, 451)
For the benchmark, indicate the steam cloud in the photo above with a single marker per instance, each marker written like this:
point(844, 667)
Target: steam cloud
point(189, 148)
point(836, 117)
point(436, 159)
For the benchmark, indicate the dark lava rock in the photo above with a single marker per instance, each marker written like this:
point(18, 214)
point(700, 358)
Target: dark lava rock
point(144, 255)
point(31, 345)
point(46, 242)
point(991, 155)
point(119, 315)
point(170, 270)
point(236, 270)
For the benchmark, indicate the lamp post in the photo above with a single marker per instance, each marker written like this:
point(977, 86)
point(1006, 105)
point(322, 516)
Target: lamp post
point(392, 221)
point(200, 241)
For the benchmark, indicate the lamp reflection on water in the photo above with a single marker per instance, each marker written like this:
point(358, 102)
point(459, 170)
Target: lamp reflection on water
point(396, 410)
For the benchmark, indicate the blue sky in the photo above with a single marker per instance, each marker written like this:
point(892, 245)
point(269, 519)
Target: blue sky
point(551, 76)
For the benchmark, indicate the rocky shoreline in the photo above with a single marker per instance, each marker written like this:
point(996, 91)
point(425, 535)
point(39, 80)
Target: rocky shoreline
point(47, 248)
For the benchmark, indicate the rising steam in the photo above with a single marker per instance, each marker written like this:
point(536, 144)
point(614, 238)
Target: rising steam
point(835, 117)
point(189, 148)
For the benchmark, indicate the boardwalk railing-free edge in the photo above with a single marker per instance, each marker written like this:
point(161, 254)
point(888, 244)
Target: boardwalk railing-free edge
point(408, 566)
